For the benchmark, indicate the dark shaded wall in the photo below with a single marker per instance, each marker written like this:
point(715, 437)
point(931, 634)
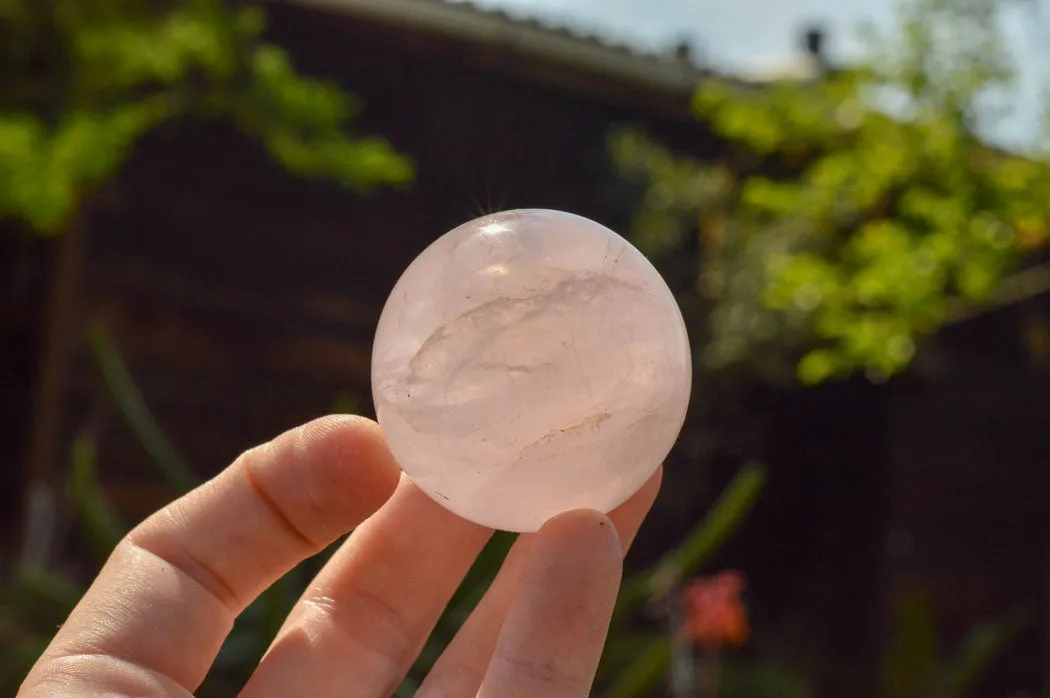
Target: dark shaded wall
point(24, 275)
point(969, 486)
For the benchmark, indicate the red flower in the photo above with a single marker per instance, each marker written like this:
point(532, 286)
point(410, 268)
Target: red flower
point(714, 613)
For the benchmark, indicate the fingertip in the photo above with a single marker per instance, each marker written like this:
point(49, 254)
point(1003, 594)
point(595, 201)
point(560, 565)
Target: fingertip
point(584, 532)
point(360, 440)
point(343, 460)
point(627, 517)
point(342, 437)
point(552, 637)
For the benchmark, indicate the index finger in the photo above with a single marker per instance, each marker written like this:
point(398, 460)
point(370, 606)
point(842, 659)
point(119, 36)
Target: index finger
point(162, 605)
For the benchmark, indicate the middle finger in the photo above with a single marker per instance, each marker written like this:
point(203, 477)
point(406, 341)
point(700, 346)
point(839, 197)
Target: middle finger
point(362, 621)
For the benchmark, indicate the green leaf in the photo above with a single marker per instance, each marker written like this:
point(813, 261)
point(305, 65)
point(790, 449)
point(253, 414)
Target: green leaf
point(18, 658)
point(136, 413)
point(644, 673)
point(100, 520)
point(346, 403)
point(36, 598)
point(982, 644)
point(870, 222)
point(87, 80)
point(752, 679)
point(817, 366)
point(913, 656)
point(50, 587)
point(702, 542)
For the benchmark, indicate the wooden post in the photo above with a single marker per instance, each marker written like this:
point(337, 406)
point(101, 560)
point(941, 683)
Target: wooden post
point(60, 338)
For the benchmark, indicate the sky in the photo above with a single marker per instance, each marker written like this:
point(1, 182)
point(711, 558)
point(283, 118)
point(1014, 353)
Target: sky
point(734, 34)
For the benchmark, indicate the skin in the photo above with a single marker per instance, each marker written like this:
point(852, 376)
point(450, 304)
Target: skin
point(156, 615)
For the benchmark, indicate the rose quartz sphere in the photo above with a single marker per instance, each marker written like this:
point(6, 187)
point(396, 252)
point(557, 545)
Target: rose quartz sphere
point(529, 363)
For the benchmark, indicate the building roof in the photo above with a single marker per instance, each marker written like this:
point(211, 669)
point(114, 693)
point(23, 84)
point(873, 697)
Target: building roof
point(530, 40)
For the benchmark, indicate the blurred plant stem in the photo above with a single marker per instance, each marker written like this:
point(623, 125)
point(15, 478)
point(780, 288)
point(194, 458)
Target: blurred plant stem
point(708, 674)
point(648, 667)
point(702, 542)
point(646, 671)
point(917, 667)
point(136, 413)
point(685, 673)
point(101, 521)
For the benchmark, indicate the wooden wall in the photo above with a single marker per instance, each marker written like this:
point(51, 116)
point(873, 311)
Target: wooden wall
point(968, 506)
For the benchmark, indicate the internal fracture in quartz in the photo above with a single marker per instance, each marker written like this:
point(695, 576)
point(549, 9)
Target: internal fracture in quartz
point(529, 363)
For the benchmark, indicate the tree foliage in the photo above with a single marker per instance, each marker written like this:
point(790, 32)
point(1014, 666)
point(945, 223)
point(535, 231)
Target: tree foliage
point(85, 79)
point(854, 212)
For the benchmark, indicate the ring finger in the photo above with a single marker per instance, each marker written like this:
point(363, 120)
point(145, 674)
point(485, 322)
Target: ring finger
point(462, 666)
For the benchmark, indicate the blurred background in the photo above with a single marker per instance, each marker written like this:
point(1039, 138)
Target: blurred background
point(203, 205)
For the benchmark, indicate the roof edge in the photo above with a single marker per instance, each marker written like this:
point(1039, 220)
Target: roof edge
point(525, 39)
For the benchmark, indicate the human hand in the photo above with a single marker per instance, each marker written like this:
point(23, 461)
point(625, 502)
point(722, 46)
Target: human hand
point(158, 612)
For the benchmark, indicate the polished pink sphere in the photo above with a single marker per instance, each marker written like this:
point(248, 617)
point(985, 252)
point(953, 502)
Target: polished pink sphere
point(529, 363)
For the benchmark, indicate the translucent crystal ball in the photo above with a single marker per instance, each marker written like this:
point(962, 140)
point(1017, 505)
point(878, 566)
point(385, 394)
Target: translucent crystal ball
point(529, 363)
